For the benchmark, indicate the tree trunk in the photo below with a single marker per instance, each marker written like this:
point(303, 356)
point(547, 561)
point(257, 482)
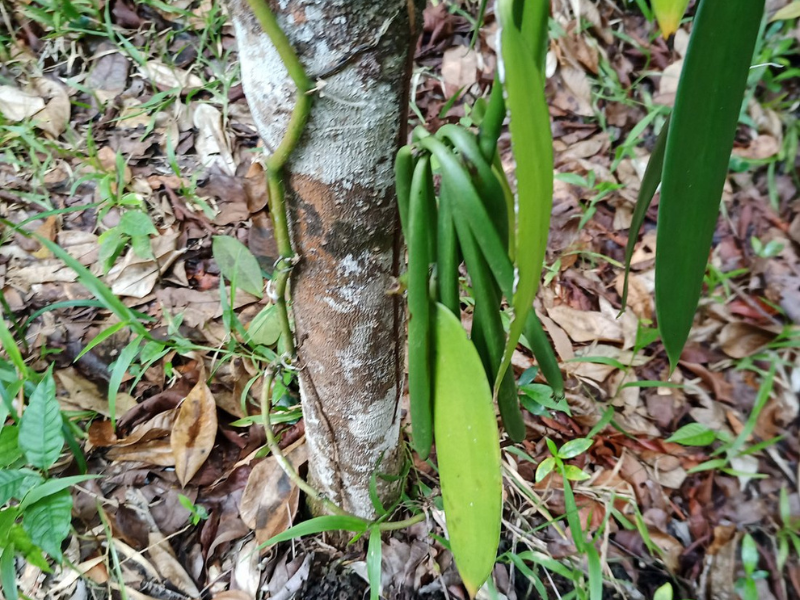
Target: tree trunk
point(345, 228)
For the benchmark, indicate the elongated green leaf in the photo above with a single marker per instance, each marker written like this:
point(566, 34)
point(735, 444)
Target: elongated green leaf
point(421, 221)
point(471, 216)
point(94, 285)
point(8, 573)
point(9, 446)
point(238, 264)
point(699, 145)
point(447, 253)
point(574, 447)
point(9, 344)
point(121, 365)
point(532, 145)
point(48, 522)
point(40, 435)
point(374, 555)
point(468, 451)
point(52, 487)
point(669, 14)
point(318, 525)
point(650, 183)
point(100, 337)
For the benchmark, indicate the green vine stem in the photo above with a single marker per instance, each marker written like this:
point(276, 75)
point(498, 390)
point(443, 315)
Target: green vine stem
point(277, 206)
point(277, 160)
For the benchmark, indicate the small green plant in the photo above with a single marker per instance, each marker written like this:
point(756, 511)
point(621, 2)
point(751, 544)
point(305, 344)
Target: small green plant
point(769, 250)
point(36, 513)
point(746, 586)
point(197, 512)
point(556, 462)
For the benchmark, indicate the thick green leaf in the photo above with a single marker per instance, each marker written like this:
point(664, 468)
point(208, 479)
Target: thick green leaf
point(699, 145)
point(532, 145)
point(468, 451)
point(238, 264)
point(669, 14)
point(318, 525)
point(121, 365)
point(48, 522)
point(421, 223)
point(650, 183)
point(374, 554)
point(40, 435)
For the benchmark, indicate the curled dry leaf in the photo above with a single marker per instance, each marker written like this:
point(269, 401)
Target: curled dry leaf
point(194, 431)
point(270, 498)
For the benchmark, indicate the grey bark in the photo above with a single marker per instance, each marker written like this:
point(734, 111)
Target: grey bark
point(343, 216)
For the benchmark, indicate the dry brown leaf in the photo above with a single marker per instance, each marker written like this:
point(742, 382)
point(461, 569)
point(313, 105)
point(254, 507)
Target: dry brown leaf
point(739, 340)
point(668, 86)
point(761, 148)
point(168, 566)
point(109, 75)
point(599, 372)
point(586, 326)
point(194, 431)
point(54, 117)
point(640, 294)
point(460, 67)
point(136, 276)
point(233, 595)
point(169, 77)
point(151, 452)
point(83, 394)
point(576, 81)
point(211, 144)
point(269, 501)
point(16, 105)
point(47, 230)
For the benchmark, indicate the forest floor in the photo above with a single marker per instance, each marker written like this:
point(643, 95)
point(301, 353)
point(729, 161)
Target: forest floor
point(125, 138)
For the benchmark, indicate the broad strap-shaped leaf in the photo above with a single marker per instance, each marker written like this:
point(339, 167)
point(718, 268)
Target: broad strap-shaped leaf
point(468, 451)
point(532, 144)
point(669, 14)
point(47, 522)
point(650, 183)
point(40, 434)
point(699, 144)
point(421, 252)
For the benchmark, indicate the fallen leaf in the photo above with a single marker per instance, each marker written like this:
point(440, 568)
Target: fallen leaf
point(194, 431)
point(211, 144)
point(135, 276)
point(576, 81)
point(586, 326)
point(108, 77)
point(168, 77)
point(739, 340)
point(761, 148)
point(16, 105)
point(270, 499)
point(168, 567)
point(54, 117)
point(460, 67)
point(85, 395)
